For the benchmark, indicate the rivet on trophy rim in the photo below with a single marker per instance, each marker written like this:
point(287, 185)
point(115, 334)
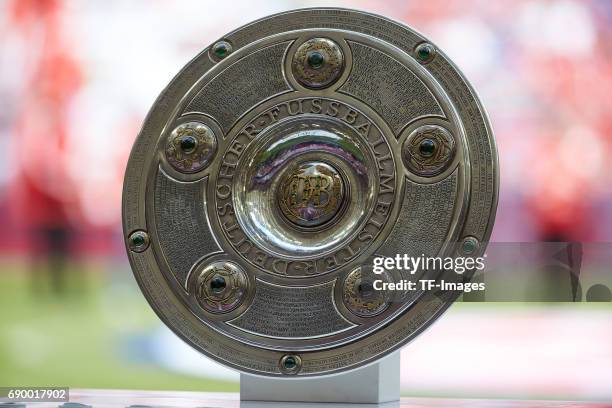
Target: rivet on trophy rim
point(191, 147)
point(470, 245)
point(290, 364)
point(221, 49)
point(425, 52)
point(318, 63)
point(138, 241)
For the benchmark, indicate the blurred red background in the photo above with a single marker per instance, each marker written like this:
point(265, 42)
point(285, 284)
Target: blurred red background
point(77, 78)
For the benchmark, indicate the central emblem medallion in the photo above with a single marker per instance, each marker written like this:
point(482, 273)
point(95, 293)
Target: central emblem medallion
point(312, 194)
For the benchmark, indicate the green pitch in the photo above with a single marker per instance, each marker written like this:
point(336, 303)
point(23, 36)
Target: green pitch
point(74, 338)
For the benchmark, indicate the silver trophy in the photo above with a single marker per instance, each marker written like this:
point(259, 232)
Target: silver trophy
point(278, 163)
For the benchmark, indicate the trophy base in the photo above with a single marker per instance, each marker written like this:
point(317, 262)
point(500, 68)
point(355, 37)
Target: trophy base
point(374, 384)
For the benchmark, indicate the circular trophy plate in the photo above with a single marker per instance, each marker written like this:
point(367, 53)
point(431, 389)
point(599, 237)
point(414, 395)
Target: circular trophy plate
point(279, 162)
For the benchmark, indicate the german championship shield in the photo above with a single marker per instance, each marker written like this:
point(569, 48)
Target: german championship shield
point(279, 163)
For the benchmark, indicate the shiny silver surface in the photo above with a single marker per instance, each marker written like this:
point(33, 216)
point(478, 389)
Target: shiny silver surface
point(324, 137)
point(263, 203)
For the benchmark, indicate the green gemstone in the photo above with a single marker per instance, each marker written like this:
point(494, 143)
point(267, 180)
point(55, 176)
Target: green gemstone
point(221, 49)
point(188, 144)
point(315, 59)
point(289, 362)
point(218, 284)
point(424, 52)
point(138, 240)
point(427, 147)
point(469, 246)
point(365, 288)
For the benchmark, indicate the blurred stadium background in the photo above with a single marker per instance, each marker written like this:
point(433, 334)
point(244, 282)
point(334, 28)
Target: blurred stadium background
point(77, 79)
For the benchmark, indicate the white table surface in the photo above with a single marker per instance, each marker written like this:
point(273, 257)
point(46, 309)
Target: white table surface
point(141, 399)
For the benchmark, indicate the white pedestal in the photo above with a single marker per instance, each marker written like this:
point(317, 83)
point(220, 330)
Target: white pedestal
point(374, 384)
